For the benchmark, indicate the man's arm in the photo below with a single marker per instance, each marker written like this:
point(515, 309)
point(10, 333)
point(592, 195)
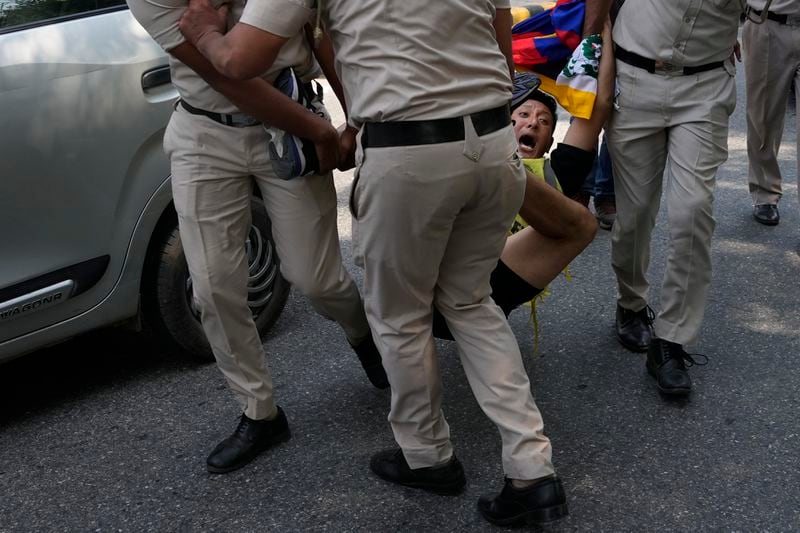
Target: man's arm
point(502, 29)
point(595, 16)
point(583, 133)
point(258, 98)
point(242, 53)
point(347, 133)
point(325, 57)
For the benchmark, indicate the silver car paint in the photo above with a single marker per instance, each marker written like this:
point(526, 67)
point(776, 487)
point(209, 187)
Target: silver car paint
point(82, 169)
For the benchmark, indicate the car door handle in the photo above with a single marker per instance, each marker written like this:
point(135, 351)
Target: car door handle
point(155, 77)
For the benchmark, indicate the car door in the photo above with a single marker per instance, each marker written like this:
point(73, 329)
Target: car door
point(84, 100)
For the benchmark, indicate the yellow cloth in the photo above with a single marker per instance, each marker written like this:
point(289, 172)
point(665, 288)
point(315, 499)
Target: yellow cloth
point(535, 167)
point(520, 13)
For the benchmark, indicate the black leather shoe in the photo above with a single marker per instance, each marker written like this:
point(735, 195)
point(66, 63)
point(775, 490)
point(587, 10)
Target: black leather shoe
point(667, 362)
point(391, 465)
point(544, 501)
point(635, 328)
point(767, 214)
point(370, 359)
point(250, 439)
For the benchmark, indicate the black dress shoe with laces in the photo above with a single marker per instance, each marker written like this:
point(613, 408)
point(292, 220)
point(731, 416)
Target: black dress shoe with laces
point(370, 359)
point(667, 362)
point(250, 439)
point(767, 214)
point(391, 465)
point(635, 328)
point(544, 501)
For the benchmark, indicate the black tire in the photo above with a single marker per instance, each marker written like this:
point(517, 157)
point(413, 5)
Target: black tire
point(166, 295)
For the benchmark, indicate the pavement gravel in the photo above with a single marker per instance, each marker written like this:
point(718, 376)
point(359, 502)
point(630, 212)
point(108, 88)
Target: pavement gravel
point(108, 432)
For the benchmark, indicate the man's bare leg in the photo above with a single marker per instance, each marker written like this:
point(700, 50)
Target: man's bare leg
point(559, 229)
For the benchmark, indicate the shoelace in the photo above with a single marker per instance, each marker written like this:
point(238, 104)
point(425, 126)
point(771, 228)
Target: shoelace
point(649, 314)
point(241, 429)
point(675, 351)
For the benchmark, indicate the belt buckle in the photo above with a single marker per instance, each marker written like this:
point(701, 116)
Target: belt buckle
point(242, 120)
point(664, 66)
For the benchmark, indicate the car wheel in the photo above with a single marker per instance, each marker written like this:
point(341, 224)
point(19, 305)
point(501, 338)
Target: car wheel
point(167, 300)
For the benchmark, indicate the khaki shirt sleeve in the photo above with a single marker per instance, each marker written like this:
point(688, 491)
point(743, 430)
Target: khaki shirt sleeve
point(284, 18)
point(160, 18)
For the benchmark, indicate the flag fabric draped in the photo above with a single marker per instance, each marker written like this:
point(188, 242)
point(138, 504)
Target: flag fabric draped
point(520, 13)
point(549, 44)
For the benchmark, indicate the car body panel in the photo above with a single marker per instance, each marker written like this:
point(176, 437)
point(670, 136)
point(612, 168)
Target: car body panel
point(81, 156)
point(121, 303)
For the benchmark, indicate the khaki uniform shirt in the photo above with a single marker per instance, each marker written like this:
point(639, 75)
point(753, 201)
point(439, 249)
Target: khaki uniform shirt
point(782, 7)
point(160, 19)
point(681, 32)
point(411, 60)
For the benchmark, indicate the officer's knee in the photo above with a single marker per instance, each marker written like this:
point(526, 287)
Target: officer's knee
point(209, 296)
point(692, 211)
point(634, 216)
point(313, 285)
point(451, 305)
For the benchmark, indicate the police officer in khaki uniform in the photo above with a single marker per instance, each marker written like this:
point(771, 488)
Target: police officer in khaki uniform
point(771, 46)
point(669, 132)
point(438, 184)
point(217, 152)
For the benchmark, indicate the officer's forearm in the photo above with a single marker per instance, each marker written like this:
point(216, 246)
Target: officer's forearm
point(325, 57)
point(604, 101)
point(243, 53)
point(212, 46)
point(261, 100)
point(258, 98)
point(595, 16)
point(502, 30)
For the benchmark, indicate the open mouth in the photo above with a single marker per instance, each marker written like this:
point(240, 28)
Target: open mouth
point(527, 143)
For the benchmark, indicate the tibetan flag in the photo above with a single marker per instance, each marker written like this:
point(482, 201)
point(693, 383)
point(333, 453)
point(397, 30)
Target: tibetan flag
point(549, 44)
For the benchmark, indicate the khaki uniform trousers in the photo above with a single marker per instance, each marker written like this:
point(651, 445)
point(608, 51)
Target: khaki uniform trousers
point(213, 169)
point(771, 62)
point(430, 223)
point(672, 130)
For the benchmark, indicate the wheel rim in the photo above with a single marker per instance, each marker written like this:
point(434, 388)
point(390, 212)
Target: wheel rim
point(262, 267)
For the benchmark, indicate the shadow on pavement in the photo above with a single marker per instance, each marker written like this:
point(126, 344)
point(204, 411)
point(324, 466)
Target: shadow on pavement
point(80, 367)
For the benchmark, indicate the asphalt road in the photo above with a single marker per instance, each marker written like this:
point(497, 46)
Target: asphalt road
point(109, 433)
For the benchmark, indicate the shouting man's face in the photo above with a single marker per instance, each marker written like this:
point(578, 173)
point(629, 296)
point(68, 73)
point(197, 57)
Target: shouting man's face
point(533, 127)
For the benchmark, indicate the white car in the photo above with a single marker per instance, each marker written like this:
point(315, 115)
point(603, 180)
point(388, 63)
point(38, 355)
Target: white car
point(88, 233)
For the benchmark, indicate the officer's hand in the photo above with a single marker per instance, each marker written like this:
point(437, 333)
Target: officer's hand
point(347, 147)
point(737, 53)
point(201, 19)
point(327, 146)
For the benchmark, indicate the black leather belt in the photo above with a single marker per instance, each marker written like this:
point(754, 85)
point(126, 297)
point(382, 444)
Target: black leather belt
point(652, 65)
point(235, 120)
point(777, 17)
point(416, 132)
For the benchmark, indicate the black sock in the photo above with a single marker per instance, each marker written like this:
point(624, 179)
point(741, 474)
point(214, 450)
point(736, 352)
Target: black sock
point(509, 290)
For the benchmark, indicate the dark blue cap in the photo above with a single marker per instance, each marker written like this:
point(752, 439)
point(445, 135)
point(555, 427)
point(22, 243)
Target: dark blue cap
point(526, 87)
